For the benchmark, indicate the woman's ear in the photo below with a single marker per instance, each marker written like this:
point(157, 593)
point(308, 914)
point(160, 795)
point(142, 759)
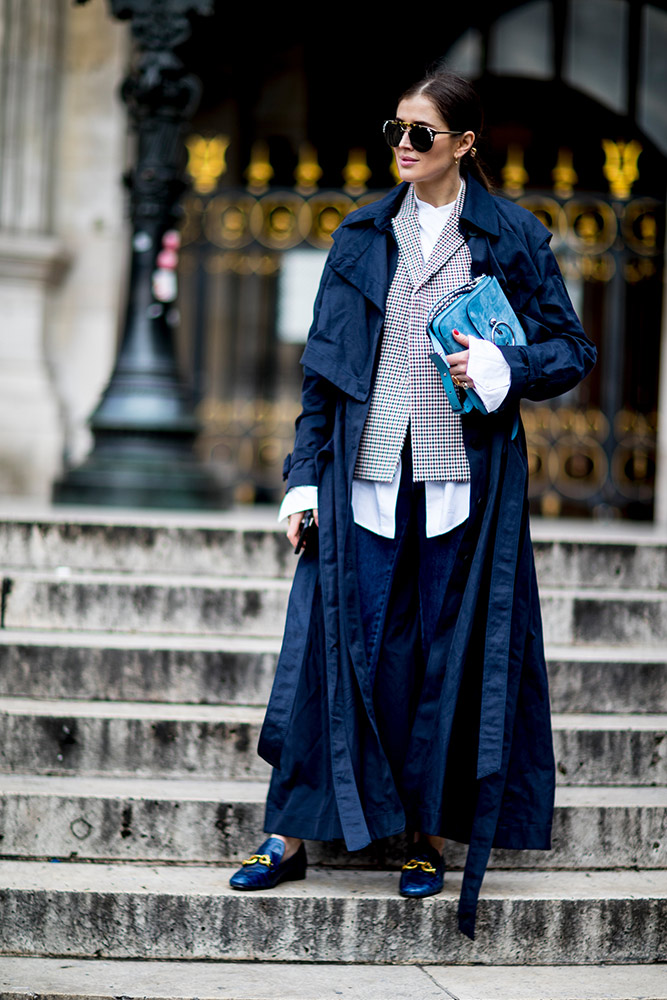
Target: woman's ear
point(465, 143)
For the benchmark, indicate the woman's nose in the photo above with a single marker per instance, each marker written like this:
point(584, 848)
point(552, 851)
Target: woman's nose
point(405, 139)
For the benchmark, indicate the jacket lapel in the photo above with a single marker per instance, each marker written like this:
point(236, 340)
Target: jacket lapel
point(406, 231)
point(449, 241)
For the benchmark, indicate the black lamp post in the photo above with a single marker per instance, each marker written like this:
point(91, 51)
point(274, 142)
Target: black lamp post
point(144, 427)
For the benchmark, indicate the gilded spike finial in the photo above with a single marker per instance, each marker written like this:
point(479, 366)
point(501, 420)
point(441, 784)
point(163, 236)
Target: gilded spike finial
point(620, 166)
point(564, 174)
point(308, 171)
point(356, 172)
point(259, 171)
point(206, 161)
point(514, 173)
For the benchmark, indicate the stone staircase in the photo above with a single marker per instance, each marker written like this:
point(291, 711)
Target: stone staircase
point(136, 653)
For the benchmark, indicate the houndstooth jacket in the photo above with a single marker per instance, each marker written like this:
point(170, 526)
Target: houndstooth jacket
point(408, 389)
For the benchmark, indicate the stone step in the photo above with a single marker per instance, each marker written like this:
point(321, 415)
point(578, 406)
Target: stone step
point(72, 979)
point(219, 741)
point(145, 603)
point(130, 738)
point(249, 542)
point(231, 605)
point(607, 679)
point(138, 667)
point(239, 669)
point(605, 616)
point(195, 820)
point(139, 911)
point(596, 556)
point(246, 542)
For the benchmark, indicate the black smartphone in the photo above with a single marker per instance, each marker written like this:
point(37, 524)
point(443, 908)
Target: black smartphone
point(307, 521)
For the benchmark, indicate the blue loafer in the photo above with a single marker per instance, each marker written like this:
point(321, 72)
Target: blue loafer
point(424, 873)
point(265, 869)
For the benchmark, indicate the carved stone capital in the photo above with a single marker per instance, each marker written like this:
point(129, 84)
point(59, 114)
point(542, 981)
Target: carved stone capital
point(24, 257)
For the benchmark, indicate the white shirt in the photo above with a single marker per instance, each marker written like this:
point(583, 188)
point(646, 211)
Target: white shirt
point(447, 503)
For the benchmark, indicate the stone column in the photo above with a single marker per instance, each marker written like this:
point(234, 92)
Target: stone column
point(32, 259)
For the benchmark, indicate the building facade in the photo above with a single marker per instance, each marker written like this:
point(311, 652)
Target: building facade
point(286, 140)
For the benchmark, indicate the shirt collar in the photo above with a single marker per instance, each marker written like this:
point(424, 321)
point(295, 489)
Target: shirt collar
point(478, 211)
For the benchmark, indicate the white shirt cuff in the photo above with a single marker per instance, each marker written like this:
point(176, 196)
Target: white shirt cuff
point(296, 499)
point(489, 371)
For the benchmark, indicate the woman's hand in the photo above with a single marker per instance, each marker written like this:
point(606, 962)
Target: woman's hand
point(458, 363)
point(293, 524)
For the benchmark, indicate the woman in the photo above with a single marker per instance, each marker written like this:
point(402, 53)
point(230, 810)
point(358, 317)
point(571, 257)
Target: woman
point(411, 689)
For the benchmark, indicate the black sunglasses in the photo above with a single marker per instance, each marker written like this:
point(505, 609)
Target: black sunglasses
point(421, 136)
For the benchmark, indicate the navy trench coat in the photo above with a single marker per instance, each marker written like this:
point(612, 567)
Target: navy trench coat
point(484, 700)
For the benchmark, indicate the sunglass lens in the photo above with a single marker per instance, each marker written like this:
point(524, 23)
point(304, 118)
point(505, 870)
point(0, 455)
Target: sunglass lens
point(393, 133)
point(421, 138)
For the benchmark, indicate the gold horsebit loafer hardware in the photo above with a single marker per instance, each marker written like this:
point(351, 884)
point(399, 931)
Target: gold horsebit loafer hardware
point(425, 866)
point(262, 859)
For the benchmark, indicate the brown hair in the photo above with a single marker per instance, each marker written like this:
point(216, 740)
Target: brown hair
point(458, 105)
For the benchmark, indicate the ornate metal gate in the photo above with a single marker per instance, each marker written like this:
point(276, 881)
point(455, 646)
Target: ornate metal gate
point(592, 451)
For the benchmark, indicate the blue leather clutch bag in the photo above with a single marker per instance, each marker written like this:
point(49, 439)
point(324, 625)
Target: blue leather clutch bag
point(478, 309)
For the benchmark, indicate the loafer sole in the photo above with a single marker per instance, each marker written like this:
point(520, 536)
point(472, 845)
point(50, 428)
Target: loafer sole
point(407, 894)
point(259, 888)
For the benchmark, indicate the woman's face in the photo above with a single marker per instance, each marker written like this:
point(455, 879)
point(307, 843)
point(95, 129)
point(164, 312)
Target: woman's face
point(436, 165)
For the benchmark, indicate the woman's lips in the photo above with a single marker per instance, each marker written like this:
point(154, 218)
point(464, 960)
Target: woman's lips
point(406, 161)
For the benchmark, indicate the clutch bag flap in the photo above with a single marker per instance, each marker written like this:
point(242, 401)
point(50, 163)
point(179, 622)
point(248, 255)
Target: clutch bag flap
point(480, 309)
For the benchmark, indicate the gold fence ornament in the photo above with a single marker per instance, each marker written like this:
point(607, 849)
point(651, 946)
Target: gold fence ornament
point(563, 174)
point(592, 225)
point(550, 214)
point(356, 172)
point(308, 170)
point(620, 166)
point(206, 161)
point(259, 171)
point(328, 209)
point(642, 226)
point(281, 220)
point(514, 174)
point(227, 221)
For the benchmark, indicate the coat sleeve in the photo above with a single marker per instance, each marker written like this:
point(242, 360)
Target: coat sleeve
point(313, 429)
point(558, 354)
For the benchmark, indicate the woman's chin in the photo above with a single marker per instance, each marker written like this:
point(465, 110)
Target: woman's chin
point(406, 173)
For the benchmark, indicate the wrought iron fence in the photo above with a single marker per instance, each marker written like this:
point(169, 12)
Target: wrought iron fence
point(591, 452)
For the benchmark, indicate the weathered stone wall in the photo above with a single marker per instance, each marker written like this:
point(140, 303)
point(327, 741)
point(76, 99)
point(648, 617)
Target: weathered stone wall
point(61, 241)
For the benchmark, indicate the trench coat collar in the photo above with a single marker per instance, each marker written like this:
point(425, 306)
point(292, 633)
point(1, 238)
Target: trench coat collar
point(479, 210)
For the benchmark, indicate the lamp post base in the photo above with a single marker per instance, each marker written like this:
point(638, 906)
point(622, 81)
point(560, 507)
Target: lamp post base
point(138, 472)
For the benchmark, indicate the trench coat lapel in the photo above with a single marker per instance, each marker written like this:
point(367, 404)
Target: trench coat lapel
point(367, 262)
point(366, 267)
